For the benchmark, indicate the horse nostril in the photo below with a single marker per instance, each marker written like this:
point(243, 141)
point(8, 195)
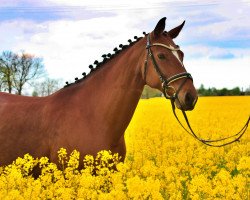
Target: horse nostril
point(189, 99)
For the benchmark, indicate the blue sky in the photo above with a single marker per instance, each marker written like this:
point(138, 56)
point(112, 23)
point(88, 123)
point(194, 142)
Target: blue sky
point(70, 35)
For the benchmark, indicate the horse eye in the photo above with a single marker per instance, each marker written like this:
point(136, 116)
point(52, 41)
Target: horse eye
point(182, 55)
point(161, 56)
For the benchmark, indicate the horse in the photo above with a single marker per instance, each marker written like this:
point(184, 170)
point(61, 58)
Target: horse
point(92, 113)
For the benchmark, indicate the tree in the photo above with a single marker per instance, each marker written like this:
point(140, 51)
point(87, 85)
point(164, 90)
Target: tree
point(28, 68)
point(201, 90)
point(223, 92)
point(236, 91)
point(18, 69)
point(220, 92)
point(46, 87)
point(8, 61)
point(247, 92)
point(149, 92)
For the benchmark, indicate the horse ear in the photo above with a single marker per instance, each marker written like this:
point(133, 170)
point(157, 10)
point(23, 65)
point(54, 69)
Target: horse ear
point(175, 31)
point(160, 26)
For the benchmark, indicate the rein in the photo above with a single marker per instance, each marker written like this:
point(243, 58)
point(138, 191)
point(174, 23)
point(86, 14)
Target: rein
point(209, 142)
point(166, 86)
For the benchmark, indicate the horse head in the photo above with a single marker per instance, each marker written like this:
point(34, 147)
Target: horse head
point(164, 68)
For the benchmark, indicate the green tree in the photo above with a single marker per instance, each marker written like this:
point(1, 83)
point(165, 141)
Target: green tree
point(235, 91)
point(223, 92)
point(149, 92)
point(201, 90)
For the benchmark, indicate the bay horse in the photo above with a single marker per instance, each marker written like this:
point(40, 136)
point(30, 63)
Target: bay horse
point(93, 113)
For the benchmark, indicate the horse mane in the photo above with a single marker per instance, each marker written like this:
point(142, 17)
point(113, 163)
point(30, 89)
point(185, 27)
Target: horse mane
point(106, 57)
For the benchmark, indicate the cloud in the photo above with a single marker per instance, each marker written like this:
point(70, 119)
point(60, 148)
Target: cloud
point(211, 52)
point(70, 35)
point(219, 23)
point(111, 4)
point(219, 73)
point(67, 46)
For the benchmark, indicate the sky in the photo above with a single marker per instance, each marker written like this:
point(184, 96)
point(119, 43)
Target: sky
point(71, 34)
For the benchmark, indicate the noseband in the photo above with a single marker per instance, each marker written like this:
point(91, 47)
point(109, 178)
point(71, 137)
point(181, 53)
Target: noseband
point(164, 80)
point(166, 87)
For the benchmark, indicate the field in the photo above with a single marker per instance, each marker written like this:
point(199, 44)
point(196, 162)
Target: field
point(162, 162)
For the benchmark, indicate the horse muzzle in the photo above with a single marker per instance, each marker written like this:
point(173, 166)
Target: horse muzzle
point(187, 102)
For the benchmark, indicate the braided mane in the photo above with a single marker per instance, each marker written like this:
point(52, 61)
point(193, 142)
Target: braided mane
point(106, 57)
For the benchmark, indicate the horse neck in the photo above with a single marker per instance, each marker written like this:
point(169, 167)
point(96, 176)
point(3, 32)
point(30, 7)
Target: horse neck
point(111, 94)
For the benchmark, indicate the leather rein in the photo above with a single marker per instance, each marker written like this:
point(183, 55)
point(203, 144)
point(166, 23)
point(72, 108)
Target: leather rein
point(166, 87)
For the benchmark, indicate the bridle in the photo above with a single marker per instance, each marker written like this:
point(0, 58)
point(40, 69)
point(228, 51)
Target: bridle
point(165, 82)
point(166, 86)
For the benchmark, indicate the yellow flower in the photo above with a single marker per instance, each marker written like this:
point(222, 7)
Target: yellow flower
point(162, 162)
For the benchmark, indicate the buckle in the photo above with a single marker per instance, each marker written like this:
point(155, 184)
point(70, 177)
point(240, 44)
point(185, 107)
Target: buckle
point(167, 89)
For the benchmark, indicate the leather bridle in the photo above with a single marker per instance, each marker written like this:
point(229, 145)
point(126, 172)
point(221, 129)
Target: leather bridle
point(164, 80)
point(166, 87)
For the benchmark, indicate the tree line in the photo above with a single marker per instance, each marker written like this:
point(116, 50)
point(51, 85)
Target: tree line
point(18, 70)
point(202, 91)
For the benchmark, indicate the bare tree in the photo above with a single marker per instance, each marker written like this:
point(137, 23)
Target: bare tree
point(47, 87)
point(247, 91)
point(18, 69)
point(29, 68)
point(8, 61)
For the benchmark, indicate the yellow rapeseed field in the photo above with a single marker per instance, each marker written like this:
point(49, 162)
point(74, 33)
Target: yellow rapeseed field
point(162, 162)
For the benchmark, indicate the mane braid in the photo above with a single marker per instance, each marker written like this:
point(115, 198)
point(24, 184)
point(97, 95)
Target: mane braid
point(106, 58)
